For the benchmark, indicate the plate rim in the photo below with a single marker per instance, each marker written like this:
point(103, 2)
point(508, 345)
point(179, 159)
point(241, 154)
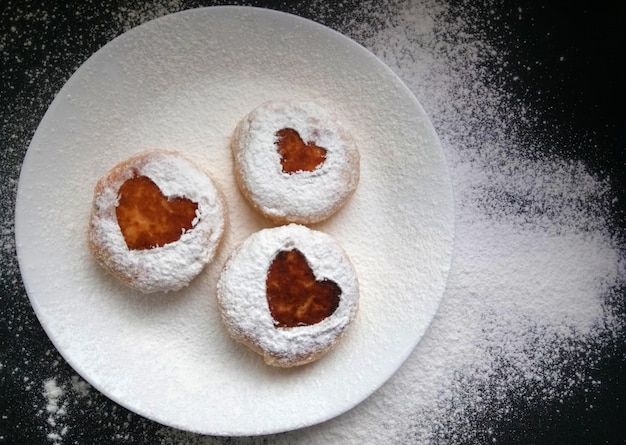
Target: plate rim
point(19, 226)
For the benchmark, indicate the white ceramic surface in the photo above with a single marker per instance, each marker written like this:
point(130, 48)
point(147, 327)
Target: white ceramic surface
point(182, 82)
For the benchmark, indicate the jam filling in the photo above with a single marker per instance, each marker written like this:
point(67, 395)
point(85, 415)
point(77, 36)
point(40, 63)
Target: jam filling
point(294, 295)
point(148, 219)
point(295, 155)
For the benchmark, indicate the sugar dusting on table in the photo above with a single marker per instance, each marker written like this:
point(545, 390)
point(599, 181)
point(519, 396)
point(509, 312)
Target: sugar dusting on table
point(534, 297)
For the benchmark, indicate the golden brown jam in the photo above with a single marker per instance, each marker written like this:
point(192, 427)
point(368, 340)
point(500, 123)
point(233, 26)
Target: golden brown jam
point(147, 218)
point(294, 296)
point(295, 154)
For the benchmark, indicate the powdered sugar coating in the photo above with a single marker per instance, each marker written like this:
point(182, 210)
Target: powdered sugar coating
point(305, 196)
point(241, 293)
point(171, 266)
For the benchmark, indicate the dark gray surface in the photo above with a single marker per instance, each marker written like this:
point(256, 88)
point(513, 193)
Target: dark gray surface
point(41, 45)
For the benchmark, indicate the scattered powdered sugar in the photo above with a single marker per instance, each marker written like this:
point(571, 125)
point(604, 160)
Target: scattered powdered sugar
point(79, 386)
point(241, 292)
point(534, 302)
point(56, 410)
point(58, 399)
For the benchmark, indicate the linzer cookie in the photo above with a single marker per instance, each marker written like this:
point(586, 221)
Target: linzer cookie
point(289, 293)
point(156, 221)
point(294, 161)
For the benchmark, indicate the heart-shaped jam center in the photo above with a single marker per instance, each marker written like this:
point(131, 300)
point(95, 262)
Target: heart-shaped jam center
point(295, 155)
point(147, 218)
point(294, 295)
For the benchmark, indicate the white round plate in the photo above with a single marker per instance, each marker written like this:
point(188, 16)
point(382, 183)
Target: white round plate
point(182, 82)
